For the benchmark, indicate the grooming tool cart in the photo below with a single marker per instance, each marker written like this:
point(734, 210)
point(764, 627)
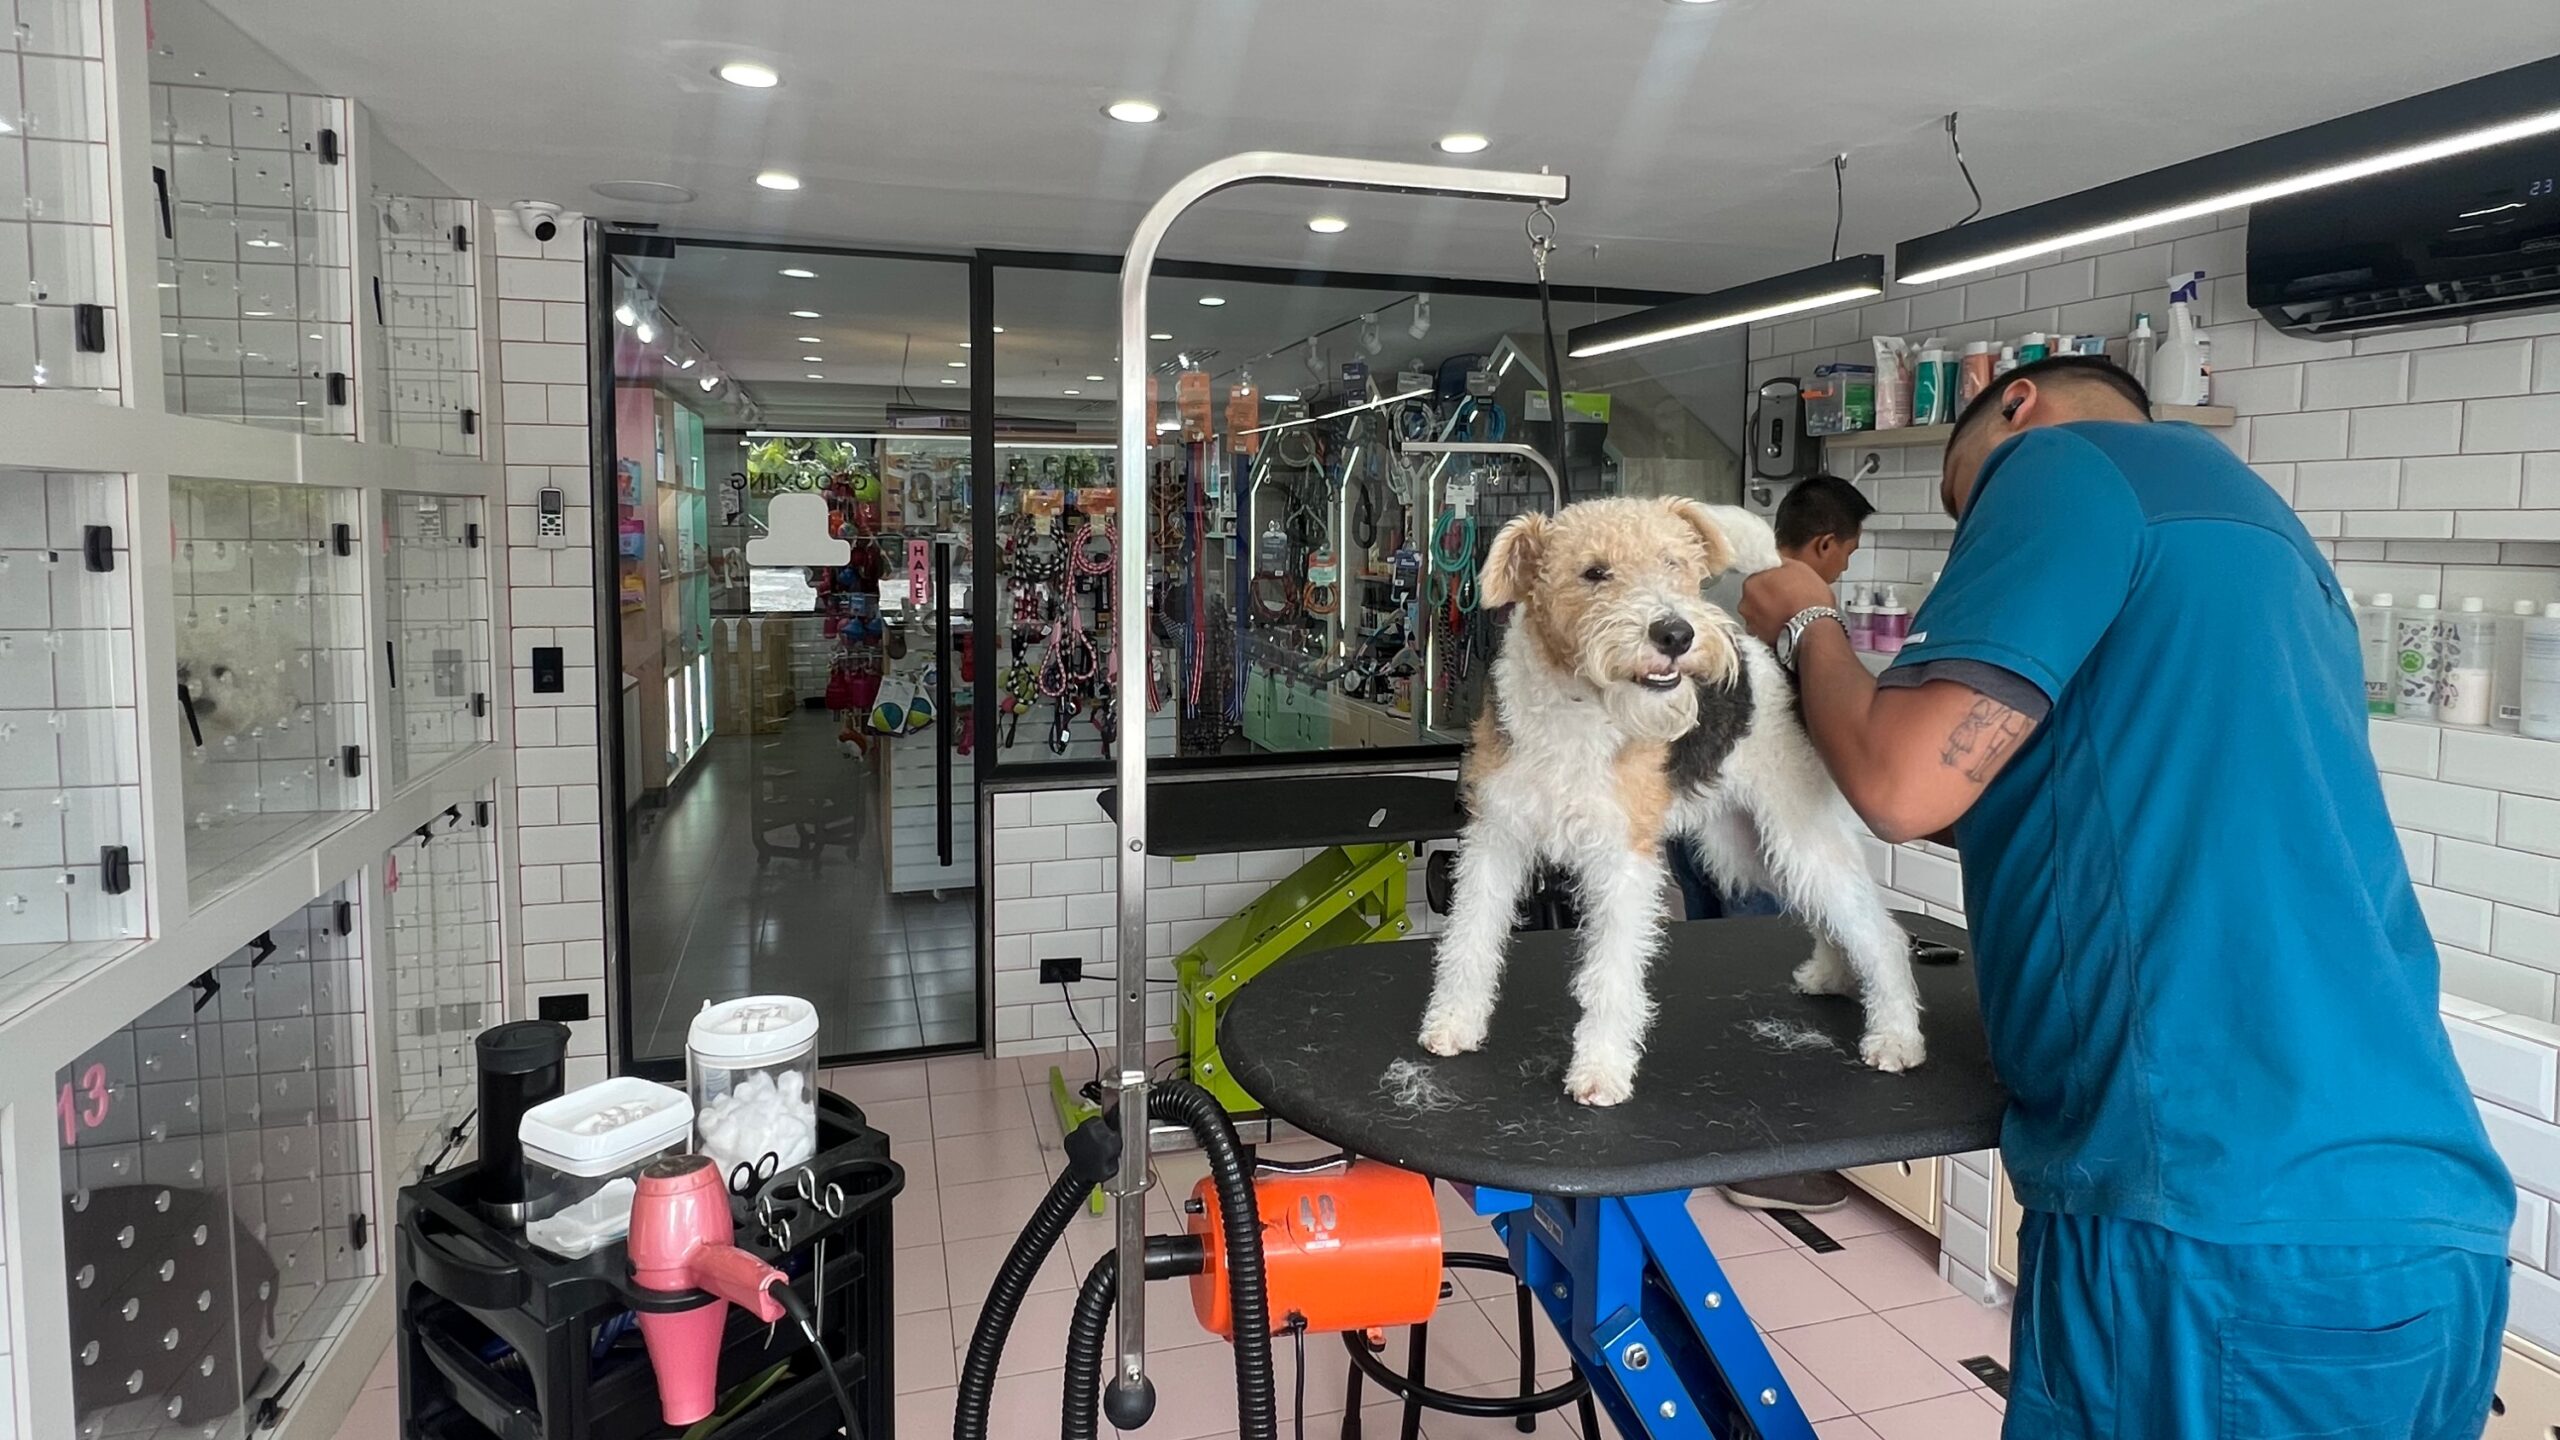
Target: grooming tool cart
point(500, 1341)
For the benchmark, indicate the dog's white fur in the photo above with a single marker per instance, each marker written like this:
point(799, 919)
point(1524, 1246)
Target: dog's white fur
point(1557, 776)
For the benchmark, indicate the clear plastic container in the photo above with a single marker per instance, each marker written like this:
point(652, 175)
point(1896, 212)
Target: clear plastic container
point(752, 1068)
point(581, 1152)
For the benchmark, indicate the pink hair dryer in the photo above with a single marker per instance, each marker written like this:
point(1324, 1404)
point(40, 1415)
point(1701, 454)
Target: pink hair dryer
point(681, 1240)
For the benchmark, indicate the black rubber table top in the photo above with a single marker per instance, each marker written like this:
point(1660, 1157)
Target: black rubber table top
point(1742, 1077)
point(1219, 817)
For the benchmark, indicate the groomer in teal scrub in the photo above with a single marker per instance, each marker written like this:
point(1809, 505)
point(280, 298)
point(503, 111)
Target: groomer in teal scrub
point(2260, 1203)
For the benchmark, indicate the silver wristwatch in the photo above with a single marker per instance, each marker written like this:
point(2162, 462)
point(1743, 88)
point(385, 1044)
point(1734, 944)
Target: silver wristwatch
point(1793, 635)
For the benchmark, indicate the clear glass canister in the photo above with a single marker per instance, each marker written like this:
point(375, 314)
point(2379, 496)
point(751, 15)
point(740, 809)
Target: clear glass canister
point(581, 1152)
point(751, 1066)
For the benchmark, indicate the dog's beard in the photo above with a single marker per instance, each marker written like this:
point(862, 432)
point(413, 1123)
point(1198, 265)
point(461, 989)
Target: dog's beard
point(1642, 714)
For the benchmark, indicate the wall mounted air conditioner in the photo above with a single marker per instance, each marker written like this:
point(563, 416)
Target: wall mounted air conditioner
point(2471, 236)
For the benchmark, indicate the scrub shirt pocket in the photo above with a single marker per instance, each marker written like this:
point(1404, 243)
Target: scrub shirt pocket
point(2308, 1382)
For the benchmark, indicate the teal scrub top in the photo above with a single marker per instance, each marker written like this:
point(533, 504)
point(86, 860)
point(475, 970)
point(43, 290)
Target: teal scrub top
point(2206, 980)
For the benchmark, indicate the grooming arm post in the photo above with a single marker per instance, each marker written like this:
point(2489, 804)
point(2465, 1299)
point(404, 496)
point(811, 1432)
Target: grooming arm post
point(1136, 438)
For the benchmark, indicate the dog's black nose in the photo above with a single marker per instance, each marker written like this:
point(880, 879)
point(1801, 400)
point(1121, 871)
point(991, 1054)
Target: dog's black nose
point(1671, 635)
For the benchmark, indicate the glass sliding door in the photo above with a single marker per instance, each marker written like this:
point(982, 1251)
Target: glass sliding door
point(794, 488)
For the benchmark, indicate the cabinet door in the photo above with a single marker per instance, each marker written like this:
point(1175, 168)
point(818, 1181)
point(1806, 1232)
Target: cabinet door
point(1909, 1187)
point(2005, 1215)
point(2528, 1398)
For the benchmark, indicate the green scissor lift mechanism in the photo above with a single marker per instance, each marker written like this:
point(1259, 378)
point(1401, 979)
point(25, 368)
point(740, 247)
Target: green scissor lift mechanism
point(1346, 895)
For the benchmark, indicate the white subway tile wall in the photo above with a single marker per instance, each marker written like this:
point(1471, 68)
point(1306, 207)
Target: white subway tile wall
point(542, 318)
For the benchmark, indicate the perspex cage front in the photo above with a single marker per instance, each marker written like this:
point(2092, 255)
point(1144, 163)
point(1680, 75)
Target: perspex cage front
point(57, 252)
point(438, 603)
point(71, 853)
point(442, 983)
point(256, 291)
point(217, 1182)
point(430, 317)
point(271, 671)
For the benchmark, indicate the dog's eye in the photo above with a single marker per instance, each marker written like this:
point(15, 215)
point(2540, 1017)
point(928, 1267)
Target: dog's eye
point(1595, 573)
point(221, 672)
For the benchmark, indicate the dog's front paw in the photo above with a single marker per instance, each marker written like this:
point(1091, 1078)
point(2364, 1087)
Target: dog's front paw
point(1593, 1085)
point(1893, 1050)
point(1453, 1034)
point(1825, 973)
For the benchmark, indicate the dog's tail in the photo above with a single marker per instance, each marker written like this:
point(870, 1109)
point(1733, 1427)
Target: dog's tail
point(1755, 545)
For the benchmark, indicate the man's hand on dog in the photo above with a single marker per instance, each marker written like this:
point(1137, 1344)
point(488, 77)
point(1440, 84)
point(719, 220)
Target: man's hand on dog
point(1773, 597)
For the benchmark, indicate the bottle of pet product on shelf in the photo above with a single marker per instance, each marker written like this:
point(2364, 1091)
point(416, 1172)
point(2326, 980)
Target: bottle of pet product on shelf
point(2541, 718)
point(2415, 651)
point(1862, 619)
point(2138, 347)
point(1892, 624)
point(751, 1067)
point(2468, 658)
point(1933, 385)
point(2507, 701)
point(1974, 375)
point(2381, 661)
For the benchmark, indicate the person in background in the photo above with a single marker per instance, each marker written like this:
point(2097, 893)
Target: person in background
point(1819, 525)
point(2259, 1199)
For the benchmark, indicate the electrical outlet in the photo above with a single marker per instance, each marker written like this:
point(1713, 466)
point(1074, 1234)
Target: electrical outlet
point(1061, 970)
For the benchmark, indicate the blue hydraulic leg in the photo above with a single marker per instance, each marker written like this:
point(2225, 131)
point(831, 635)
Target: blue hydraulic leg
point(1635, 1291)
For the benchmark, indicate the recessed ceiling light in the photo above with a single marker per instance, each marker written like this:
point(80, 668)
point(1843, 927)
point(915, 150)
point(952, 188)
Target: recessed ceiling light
point(784, 180)
point(642, 192)
point(1213, 301)
point(1328, 224)
point(814, 375)
point(804, 314)
point(798, 274)
point(1160, 335)
point(999, 329)
point(1094, 378)
point(1070, 392)
point(814, 359)
point(947, 380)
point(1463, 144)
point(957, 364)
point(811, 340)
point(1133, 112)
point(750, 75)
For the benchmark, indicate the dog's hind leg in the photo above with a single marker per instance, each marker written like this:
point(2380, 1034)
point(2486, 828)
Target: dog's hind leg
point(1824, 881)
point(1494, 862)
point(1623, 900)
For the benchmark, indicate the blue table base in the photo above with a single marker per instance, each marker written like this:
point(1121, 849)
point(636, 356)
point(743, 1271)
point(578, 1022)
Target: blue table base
point(1651, 1319)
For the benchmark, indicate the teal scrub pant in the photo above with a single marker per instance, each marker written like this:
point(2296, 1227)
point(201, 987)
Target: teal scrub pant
point(2126, 1331)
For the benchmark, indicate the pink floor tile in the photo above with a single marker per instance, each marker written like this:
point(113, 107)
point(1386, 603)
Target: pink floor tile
point(1784, 1288)
point(928, 1412)
point(1731, 1230)
point(1868, 1363)
point(958, 1074)
point(868, 1085)
point(1883, 1273)
point(1953, 1331)
point(995, 1209)
point(386, 1371)
point(1812, 1396)
point(916, 1217)
point(922, 1363)
point(1552, 1425)
point(919, 1279)
point(1863, 1215)
point(996, 1155)
point(1038, 1340)
point(975, 1112)
point(972, 1265)
point(1846, 1428)
point(1948, 1417)
point(374, 1416)
point(905, 1122)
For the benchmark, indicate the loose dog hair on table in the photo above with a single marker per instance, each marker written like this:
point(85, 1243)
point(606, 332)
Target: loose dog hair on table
point(1627, 712)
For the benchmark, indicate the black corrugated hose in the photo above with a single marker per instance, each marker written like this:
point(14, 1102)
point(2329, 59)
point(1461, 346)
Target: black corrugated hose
point(1084, 1348)
point(1241, 1218)
point(1092, 1155)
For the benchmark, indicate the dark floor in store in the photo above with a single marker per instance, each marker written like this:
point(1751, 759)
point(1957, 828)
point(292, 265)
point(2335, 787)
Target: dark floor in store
point(764, 876)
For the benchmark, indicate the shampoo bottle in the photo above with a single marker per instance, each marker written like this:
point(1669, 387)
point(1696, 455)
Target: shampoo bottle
point(2381, 664)
point(2138, 347)
point(2468, 658)
point(1892, 623)
point(2508, 698)
point(2541, 718)
point(2414, 653)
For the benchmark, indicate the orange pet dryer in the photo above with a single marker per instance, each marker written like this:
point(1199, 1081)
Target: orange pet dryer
point(1353, 1247)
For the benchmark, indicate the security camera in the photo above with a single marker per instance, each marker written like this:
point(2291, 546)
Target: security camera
point(540, 219)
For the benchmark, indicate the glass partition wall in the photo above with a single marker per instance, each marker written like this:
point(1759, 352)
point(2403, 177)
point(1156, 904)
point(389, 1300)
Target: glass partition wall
point(792, 525)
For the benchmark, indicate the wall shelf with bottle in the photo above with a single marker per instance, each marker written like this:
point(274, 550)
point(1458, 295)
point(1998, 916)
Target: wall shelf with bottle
point(2211, 417)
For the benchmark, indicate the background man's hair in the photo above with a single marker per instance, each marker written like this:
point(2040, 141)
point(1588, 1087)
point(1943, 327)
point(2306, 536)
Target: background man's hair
point(1820, 505)
point(2059, 371)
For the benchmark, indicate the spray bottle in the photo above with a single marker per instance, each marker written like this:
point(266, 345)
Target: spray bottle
point(2177, 367)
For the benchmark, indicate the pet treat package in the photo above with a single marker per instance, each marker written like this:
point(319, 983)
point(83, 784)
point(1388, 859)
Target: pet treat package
point(1893, 382)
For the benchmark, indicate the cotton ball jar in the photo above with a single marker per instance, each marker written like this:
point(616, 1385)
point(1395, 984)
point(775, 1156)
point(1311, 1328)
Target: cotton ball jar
point(751, 1068)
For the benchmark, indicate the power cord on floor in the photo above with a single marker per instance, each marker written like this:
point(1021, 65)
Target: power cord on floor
point(1298, 1338)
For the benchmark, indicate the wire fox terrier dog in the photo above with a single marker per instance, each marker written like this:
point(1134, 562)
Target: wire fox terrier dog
point(1628, 711)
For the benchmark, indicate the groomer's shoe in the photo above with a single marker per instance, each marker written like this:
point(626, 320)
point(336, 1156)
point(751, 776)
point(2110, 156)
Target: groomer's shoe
point(1811, 1193)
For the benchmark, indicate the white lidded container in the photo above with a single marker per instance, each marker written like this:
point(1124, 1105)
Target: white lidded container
point(751, 1066)
point(581, 1151)
point(2467, 664)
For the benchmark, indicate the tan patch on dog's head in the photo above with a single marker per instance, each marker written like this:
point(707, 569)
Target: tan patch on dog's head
point(1605, 587)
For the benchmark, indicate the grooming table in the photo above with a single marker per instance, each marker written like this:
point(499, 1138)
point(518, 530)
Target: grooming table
point(1352, 893)
point(1744, 1079)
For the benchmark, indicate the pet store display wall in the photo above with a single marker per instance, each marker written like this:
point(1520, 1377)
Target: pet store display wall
point(2422, 461)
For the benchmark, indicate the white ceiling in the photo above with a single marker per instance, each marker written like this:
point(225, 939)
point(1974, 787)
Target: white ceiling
point(1697, 136)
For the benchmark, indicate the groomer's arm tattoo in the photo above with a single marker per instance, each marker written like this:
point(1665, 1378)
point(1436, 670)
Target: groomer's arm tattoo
point(1986, 733)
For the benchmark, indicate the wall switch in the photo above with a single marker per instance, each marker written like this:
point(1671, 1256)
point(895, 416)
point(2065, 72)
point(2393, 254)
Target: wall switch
point(563, 1008)
point(1061, 970)
point(550, 672)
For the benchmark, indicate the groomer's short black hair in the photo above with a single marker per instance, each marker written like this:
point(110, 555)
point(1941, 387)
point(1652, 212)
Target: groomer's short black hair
point(2058, 369)
point(1820, 505)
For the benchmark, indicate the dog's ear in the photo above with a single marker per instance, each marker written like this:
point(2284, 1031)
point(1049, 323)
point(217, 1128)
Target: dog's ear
point(1511, 565)
point(1698, 517)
